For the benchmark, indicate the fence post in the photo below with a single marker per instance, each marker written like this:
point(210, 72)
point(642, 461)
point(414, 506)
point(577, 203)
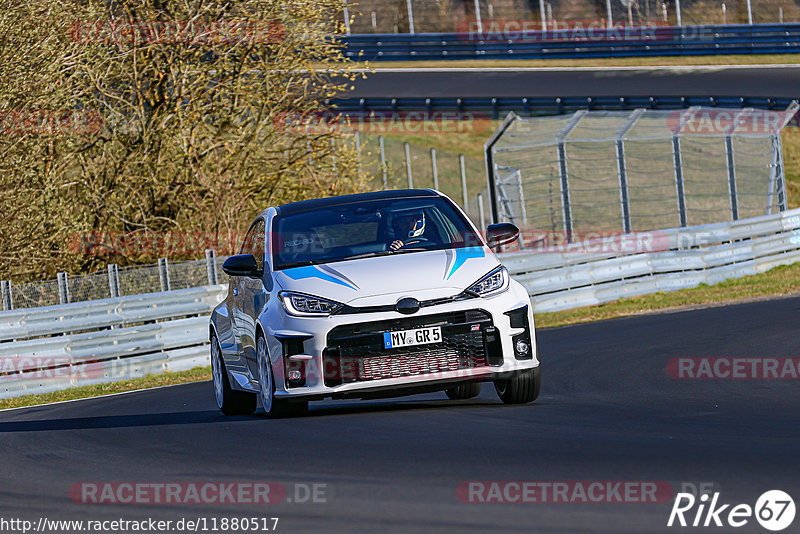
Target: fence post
point(480, 212)
point(113, 280)
point(463, 166)
point(410, 17)
point(5, 289)
point(622, 168)
point(358, 150)
point(408, 165)
point(63, 288)
point(435, 172)
point(478, 17)
point(563, 172)
point(542, 15)
point(731, 178)
point(610, 21)
point(678, 165)
point(749, 13)
point(211, 267)
point(780, 178)
point(346, 19)
point(383, 163)
point(678, 11)
point(163, 274)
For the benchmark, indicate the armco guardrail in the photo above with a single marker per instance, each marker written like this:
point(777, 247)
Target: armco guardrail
point(528, 107)
point(570, 43)
point(687, 257)
point(55, 347)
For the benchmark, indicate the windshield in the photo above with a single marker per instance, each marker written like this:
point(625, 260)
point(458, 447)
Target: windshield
point(369, 228)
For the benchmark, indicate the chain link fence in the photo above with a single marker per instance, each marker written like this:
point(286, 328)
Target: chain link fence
point(115, 282)
point(505, 16)
point(635, 171)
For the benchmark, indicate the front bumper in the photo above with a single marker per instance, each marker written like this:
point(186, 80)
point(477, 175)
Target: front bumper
point(339, 356)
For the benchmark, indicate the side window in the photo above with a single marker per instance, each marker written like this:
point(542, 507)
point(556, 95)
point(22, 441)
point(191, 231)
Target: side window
point(254, 243)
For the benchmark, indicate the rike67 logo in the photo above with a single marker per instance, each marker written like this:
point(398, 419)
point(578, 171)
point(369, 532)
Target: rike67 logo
point(774, 510)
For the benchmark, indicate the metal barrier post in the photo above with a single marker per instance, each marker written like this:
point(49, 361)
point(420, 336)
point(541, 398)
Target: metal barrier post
point(5, 289)
point(463, 169)
point(211, 267)
point(113, 280)
point(163, 274)
point(435, 172)
point(408, 166)
point(63, 288)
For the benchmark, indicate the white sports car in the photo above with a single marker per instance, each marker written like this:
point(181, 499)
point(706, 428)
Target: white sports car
point(370, 295)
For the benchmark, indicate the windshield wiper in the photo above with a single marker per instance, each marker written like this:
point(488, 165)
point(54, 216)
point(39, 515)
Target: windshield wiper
point(303, 263)
point(367, 255)
point(404, 250)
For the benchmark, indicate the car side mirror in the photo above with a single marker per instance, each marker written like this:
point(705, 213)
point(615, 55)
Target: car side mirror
point(242, 265)
point(501, 234)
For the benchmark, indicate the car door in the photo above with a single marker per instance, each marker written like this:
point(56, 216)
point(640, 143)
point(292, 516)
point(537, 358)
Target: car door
point(249, 294)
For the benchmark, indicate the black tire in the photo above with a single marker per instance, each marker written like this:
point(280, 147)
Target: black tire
point(229, 401)
point(520, 388)
point(273, 407)
point(466, 390)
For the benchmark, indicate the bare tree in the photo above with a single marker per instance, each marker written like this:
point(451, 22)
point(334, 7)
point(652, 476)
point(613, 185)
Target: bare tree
point(184, 117)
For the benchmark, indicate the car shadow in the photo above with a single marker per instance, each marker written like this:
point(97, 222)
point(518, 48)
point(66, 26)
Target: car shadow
point(120, 421)
point(214, 416)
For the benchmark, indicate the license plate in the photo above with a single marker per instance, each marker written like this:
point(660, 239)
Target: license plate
point(408, 338)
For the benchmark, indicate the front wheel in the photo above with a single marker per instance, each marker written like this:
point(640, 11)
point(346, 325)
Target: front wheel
point(521, 387)
point(273, 407)
point(467, 390)
point(229, 401)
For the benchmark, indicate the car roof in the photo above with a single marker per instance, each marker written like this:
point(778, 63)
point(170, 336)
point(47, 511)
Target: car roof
point(320, 203)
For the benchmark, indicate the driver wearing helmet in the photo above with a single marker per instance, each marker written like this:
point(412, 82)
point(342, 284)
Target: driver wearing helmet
point(408, 229)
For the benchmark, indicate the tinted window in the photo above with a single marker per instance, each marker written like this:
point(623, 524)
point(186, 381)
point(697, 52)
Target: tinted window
point(362, 229)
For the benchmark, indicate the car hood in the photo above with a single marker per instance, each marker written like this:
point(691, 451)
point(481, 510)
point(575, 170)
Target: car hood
point(385, 279)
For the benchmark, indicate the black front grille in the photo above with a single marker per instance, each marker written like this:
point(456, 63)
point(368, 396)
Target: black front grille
point(356, 353)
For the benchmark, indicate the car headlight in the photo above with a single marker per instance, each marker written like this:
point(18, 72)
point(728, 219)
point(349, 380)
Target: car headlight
point(493, 283)
point(307, 305)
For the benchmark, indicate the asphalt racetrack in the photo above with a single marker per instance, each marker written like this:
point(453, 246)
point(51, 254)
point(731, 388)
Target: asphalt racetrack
point(771, 81)
point(608, 412)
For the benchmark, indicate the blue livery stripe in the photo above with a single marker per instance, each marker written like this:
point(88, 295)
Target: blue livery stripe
point(311, 271)
point(462, 255)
